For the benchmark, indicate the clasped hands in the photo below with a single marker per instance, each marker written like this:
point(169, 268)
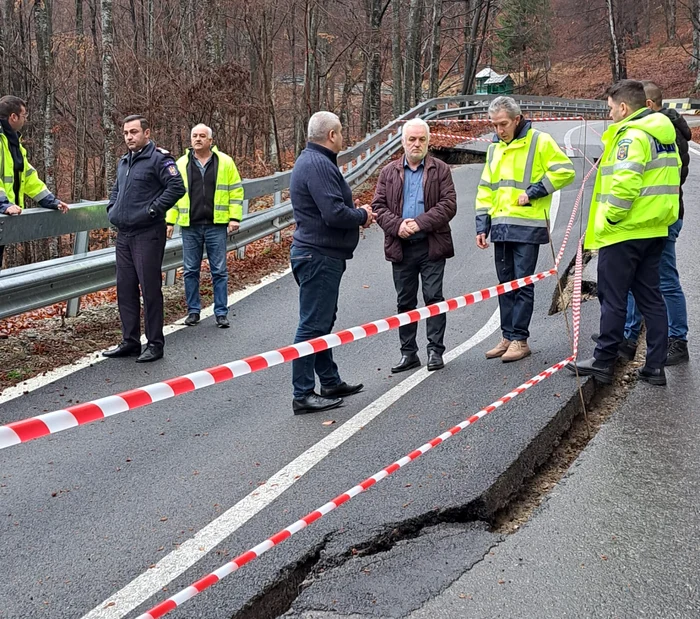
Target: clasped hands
point(371, 217)
point(408, 228)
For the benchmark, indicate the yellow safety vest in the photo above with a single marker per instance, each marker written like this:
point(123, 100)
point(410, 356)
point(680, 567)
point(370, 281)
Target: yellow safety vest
point(636, 194)
point(532, 157)
point(228, 195)
point(30, 183)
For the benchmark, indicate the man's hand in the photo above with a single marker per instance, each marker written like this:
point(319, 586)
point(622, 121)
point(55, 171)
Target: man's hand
point(370, 214)
point(523, 199)
point(406, 230)
point(169, 231)
point(13, 210)
point(413, 225)
point(62, 206)
point(481, 241)
point(233, 227)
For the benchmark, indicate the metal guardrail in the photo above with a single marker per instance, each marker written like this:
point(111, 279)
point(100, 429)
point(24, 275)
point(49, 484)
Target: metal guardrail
point(44, 283)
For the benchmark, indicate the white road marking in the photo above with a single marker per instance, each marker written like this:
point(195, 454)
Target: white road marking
point(695, 152)
point(187, 554)
point(570, 151)
point(178, 561)
point(37, 382)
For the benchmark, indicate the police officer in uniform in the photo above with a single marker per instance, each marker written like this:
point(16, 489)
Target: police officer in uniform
point(635, 200)
point(148, 184)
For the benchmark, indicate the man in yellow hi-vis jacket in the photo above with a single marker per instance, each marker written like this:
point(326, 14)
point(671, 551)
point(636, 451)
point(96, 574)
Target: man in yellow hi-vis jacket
point(635, 200)
point(211, 209)
point(17, 176)
point(524, 167)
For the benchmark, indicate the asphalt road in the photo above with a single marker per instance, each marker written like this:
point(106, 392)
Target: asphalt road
point(86, 512)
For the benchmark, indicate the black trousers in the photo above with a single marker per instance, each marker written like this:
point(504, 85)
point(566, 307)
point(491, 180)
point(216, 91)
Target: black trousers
point(631, 265)
point(416, 264)
point(513, 261)
point(139, 262)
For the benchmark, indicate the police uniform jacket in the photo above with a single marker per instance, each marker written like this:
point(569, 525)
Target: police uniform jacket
point(148, 184)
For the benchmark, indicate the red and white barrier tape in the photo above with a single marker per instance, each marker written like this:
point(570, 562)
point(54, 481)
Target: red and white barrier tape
point(572, 219)
point(576, 301)
point(235, 564)
point(50, 423)
point(486, 120)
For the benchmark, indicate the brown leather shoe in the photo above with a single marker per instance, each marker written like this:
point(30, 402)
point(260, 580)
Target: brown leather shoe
point(517, 350)
point(499, 350)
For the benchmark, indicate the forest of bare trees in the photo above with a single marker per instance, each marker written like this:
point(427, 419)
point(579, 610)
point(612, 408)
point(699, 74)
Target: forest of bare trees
point(255, 71)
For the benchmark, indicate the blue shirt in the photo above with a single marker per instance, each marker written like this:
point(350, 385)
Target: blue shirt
point(413, 203)
point(202, 168)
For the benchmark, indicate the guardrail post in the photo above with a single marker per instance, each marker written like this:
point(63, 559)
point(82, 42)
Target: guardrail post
point(241, 251)
point(278, 200)
point(349, 166)
point(170, 275)
point(80, 246)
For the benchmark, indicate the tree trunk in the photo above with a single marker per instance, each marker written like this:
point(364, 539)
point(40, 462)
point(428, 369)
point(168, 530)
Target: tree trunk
point(695, 64)
point(471, 32)
point(108, 99)
point(81, 101)
point(418, 62)
point(396, 60)
point(412, 47)
point(670, 15)
point(618, 60)
point(435, 51)
point(374, 68)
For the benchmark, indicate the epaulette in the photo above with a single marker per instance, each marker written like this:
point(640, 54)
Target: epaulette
point(162, 150)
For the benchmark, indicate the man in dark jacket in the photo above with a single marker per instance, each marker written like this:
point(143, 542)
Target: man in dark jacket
point(148, 184)
point(326, 235)
point(414, 202)
point(671, 288)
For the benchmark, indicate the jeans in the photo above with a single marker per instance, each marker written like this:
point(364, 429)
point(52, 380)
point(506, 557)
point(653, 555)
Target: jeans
point(194, 238)
point(318, 277)
point(631, 265)
point(513, 261)
point(670, 289)
point(416, 264)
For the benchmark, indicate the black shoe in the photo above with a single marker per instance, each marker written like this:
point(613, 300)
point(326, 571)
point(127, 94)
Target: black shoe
point(123, 350)
point(314, 403)
point(435, 361)
point(343, 389)
point(591, 367)
point(652, 376)
point(408, 362)
point(152, 353)
point(222, 322)
point(192, 319)
point(677, 351)
point(626, 350)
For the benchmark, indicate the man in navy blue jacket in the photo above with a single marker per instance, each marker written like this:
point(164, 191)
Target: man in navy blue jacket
point(327, 233)
point(147, 185)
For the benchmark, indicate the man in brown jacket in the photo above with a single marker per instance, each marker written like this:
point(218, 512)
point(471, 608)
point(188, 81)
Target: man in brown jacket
point(414, 203)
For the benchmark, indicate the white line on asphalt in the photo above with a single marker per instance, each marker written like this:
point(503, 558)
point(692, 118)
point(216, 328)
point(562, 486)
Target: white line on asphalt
point(187, 554)
point(570, 152)
point(32, 384)
point(206, 539)
point(695, 152)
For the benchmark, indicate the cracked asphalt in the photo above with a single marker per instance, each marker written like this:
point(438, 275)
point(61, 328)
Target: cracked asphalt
point(85, 512)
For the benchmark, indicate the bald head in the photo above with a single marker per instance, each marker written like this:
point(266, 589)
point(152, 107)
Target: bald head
point(655, 98)
point(325, 129)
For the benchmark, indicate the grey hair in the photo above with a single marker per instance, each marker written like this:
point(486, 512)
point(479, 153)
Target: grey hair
point(507, 104)
point(210, 133)
point(415, 122)
point(320, 125)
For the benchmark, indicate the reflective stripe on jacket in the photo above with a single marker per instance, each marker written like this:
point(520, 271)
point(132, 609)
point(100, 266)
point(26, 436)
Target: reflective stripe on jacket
point(637, 186)
point(532, 161)
point(228, 196)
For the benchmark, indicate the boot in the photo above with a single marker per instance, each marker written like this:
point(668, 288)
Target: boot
point(677, 351)
point(499, 350)
point(517, 350)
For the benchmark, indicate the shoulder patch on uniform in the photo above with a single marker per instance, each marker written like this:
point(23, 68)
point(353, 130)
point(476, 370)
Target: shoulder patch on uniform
point(172, 169)
point(622, 151)
point(625, 141)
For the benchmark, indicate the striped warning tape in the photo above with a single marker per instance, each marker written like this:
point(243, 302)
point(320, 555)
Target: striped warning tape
point(80, 414)
point(235, 564)
point(463, 138)
point(486, 120)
